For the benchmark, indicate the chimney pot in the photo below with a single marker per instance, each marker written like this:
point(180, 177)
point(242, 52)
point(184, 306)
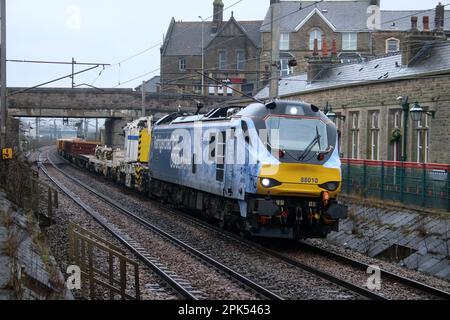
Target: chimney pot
point(324, 46)
point(426, 23)
point(316, 47)
point(334, 48)
point(414, 23)
point(439, 17)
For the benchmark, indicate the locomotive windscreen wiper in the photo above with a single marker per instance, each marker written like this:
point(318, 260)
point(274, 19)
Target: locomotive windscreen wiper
point(311, 145)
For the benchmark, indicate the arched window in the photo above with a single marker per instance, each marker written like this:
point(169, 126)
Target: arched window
point(315, 34)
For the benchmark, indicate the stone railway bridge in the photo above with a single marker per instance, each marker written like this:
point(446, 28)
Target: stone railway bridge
point(117, 106)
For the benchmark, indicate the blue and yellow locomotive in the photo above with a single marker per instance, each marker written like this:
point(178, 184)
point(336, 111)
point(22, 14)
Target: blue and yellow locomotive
point(270, 170)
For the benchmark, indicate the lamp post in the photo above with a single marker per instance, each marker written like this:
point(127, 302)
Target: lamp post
point(203, 55)
point(416, 115)
point(331, 115)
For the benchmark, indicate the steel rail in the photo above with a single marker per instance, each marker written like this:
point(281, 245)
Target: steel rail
point(185, 293)
point(324, 275)
point(352, 262)
point(216, 264)
point(384, 273)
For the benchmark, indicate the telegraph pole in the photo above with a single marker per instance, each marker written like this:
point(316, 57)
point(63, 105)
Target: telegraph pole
point(3, 108)
point(143, 98)
point(275, 32)
point(73, 71)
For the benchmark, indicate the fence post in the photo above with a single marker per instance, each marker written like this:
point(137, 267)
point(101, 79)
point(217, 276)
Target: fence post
point(91, 271)
point(424, 185)
point(348, 177)
point(402, 182)
point(123, 279)
point(382, 181)
point(364, 184)
point(448, 188)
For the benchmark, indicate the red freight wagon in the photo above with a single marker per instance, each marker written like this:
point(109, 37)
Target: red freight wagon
point(79, 147)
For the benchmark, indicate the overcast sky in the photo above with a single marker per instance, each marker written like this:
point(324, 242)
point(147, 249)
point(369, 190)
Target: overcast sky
point(109, 31)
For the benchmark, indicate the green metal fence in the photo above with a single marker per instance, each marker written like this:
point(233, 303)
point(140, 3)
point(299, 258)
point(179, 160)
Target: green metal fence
point(425, 185)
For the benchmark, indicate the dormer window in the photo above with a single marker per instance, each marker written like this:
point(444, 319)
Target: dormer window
point(315, 34)
point(392, 45)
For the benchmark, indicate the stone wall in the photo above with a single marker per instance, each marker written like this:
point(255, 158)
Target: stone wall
point(105, 103)
point(299, 42)
point(432, 92)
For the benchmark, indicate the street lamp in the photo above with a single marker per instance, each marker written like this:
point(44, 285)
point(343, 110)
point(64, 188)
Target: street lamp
point(417, 112)
point(331, 115)
point(416, 115)
point(203, 55)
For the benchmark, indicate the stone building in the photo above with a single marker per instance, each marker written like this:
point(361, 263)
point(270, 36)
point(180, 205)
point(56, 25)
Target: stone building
point(369, 94)
point(360, 29)
point(150, 86)
point(230, 50)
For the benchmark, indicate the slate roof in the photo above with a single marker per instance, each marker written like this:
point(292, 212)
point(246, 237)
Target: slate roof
point(337, 12)
point(185, 38)
point(402, 19)
point(436, 59)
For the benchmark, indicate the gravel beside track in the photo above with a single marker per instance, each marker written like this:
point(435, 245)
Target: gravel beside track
point(221, 248)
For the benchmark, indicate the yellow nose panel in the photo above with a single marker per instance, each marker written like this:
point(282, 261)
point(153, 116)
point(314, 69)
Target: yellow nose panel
point(298, 180)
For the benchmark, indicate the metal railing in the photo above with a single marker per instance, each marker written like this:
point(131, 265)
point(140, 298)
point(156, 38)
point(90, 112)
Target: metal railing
point(22, 186)
point(417, 184)
point(89, 252)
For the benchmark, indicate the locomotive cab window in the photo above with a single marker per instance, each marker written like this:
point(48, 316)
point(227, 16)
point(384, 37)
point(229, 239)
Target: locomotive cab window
point(297, 134)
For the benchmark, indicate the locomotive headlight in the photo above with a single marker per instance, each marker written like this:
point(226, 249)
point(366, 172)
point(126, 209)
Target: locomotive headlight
point(294, 111)
point(330, 186)
point(269, 183)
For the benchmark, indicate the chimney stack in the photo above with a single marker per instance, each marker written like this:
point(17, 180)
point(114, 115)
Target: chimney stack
point(439, 18)
point(334, 49)
point(426, 23)
point(324, 47)
point(416, 40)
point(317, 63)
point(316, 48)
point(414, 24)
point(217, 15)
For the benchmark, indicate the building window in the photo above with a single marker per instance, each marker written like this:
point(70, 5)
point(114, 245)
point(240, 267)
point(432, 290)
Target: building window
point(284, 41)
point(182, 64)
point(354, 143)
point(198, 88)
point(392, 45)
point(350, 41)
point(375, 135)
point(285, 69)
point(240, 57)
point(315, 34)
point(222, 59)
point(423, 140)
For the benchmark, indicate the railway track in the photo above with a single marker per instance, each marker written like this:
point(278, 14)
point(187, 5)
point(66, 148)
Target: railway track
point(325, 253)
point(393, 279)
point(178, 284)
point(384, 273)
point(363, 292)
